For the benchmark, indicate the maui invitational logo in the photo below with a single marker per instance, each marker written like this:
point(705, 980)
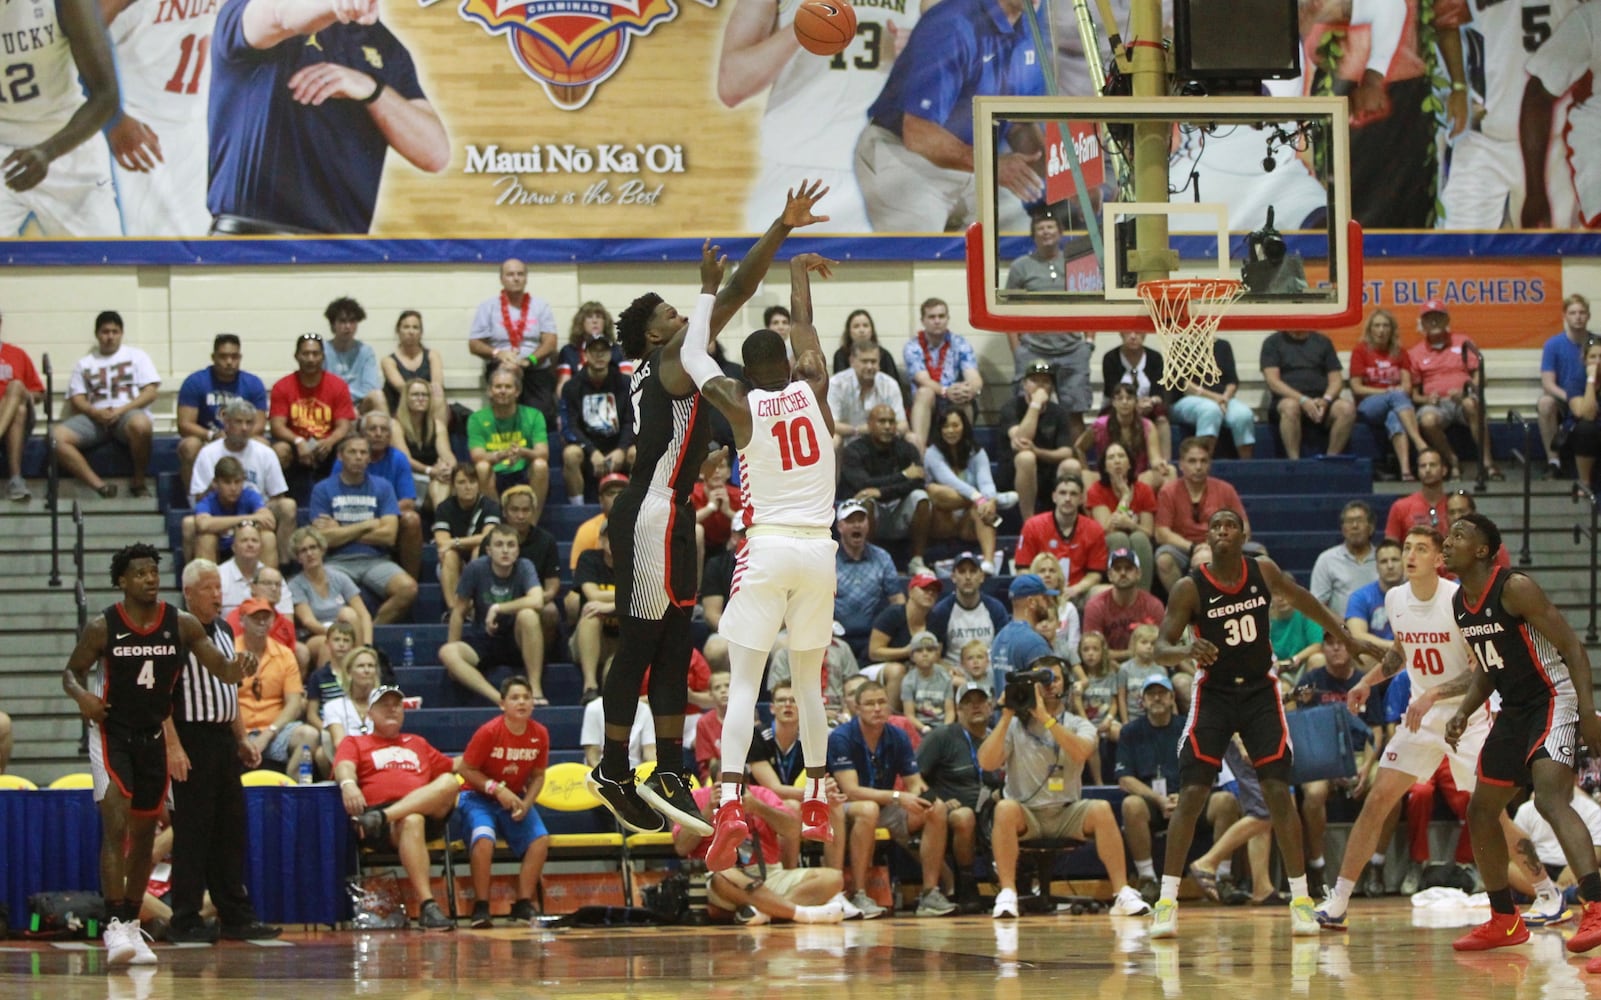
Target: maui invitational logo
point(570, 46)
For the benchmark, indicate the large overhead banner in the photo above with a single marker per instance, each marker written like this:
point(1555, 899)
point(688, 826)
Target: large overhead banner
point(626, 119)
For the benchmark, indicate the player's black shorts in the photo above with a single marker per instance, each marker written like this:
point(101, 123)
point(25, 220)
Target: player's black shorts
point(1521, 735)
point(653, 550)
point(132, 760)
point(1219, 708)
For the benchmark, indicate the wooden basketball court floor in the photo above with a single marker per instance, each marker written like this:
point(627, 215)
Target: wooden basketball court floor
point(1391, 951)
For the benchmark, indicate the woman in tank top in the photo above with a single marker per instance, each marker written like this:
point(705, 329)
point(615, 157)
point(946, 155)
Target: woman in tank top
point(412, 360)
point(425, 441)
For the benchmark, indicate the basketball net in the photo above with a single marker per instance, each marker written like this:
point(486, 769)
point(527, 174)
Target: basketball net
point(1187, 337)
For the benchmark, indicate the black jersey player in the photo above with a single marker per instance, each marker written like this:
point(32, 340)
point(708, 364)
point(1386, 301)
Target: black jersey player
point(652, 532)
point(1530, 655)
point(1236, 692)
point(142, 645)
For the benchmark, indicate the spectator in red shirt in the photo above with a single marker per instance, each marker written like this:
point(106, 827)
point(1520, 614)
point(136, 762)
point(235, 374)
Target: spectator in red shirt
point(716, 501)
point(1427, 505)
point(709, 730)
point(393, 785)
point(1381, 381)
point(1125, 508)
point(1075, 539)
point(310, 412)
point(1116, 611)
point(1443, 387)
point(20, 390)
point(504, 769)
point(1184, 507)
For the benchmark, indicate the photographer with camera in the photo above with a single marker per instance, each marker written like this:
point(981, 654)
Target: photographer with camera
point(1044, 756)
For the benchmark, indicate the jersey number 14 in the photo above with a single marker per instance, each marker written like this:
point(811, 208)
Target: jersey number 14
point(1487, 655)
point(797, 443)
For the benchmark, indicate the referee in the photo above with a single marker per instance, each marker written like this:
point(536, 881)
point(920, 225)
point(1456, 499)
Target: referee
point(204, 749)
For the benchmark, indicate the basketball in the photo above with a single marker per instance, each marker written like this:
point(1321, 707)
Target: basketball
point(825, 27)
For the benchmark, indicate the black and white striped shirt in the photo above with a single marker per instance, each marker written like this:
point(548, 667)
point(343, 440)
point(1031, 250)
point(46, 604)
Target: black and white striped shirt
point(202, 697)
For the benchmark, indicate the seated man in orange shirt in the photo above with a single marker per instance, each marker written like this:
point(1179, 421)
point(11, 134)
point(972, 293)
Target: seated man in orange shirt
point(272, 703)
point(395, 785)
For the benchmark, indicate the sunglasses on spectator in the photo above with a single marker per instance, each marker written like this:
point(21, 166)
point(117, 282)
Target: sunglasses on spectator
point(308, 336)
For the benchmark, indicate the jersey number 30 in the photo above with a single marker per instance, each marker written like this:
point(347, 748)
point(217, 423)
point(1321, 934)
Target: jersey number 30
point(797, 443)
point(1239, 630)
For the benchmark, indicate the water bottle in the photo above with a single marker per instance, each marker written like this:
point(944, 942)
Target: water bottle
point(408, 652)
point(306, 773)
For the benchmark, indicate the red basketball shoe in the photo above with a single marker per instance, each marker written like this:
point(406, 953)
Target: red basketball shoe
point(729, 831)
point(814, 820)
point(1502, 930)
point(1589, 933)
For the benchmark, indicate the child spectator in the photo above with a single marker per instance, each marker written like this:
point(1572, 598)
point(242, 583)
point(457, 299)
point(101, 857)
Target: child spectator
point(975, 668)
point(709, 730)
point(926, 693)
point(231, 502)
point(716, 502)
point(330, 680)
point(461, 524)
point(1140, 665)
point(1098, 702)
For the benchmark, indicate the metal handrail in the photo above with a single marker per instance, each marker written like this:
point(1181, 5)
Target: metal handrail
point(52, 491)
point(1584, 493)
point(82, 598)
point(77, 542)
point(1513, 417)
point(1487, 453)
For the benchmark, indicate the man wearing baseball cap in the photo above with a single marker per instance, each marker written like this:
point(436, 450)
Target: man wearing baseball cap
point(948, 761)
point(1017, 644)
point(597, 419)
point(395, 800)
point(1442, 387)
point(866, 581)
point(967, 613)
point(271, 702)
point(587, 537)
point(1304, 374)
point(1116, 612)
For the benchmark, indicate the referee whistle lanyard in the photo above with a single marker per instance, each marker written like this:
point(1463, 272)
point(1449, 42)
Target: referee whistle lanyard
point(514, 333)
point(936, 369)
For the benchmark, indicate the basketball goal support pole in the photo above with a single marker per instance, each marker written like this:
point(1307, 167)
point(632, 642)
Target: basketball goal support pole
point(1151, 260)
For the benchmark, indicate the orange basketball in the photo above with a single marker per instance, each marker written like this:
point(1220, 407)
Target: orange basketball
point(825, 27)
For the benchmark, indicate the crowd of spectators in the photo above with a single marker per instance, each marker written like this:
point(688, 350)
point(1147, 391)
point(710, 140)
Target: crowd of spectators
point(339, 474)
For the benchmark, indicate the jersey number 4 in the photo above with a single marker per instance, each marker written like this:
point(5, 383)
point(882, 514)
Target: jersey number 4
point(1239, 630)
point(797, 443)
point(147, 675)
point(191, 61)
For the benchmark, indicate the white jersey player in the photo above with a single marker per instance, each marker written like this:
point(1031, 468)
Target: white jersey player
point(784, 575)
point(58, 86)
point(164, 65)
point(1429, 646)
point(817, 105)
point(1571, 56)
point(1484, 188)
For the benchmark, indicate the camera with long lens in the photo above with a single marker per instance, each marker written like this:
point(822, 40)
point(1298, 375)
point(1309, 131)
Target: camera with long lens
point(1019, 694)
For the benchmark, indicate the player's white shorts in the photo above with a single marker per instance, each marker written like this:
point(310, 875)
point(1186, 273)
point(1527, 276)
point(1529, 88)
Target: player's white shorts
point(1419, 753)
point(1486, 182)
point(846, 211)
point(171, 199)
point(76, 197)
point(1582, 138)
point(905, 193)
point(781, 580)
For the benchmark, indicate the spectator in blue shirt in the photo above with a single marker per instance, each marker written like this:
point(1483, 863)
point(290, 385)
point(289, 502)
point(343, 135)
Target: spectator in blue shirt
point(391, 464)
point(1364, 610)
point(865, 579)
point(205, 392)
point(495, 630)
point(914, 161)
point(1562, 375)
point(358, 516)
point(866, 756)
point(352, 360)
point(941, 370)
point(305, 103)
point(231, 502)
point(1018, 644)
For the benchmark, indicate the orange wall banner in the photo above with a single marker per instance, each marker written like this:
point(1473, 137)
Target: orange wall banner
point(1496, 303)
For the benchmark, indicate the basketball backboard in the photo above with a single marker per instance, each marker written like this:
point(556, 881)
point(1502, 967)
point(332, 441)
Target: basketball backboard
point(1232, 164)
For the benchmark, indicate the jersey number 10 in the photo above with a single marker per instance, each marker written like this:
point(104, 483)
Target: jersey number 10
point(195, 48)
point(797, 443)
